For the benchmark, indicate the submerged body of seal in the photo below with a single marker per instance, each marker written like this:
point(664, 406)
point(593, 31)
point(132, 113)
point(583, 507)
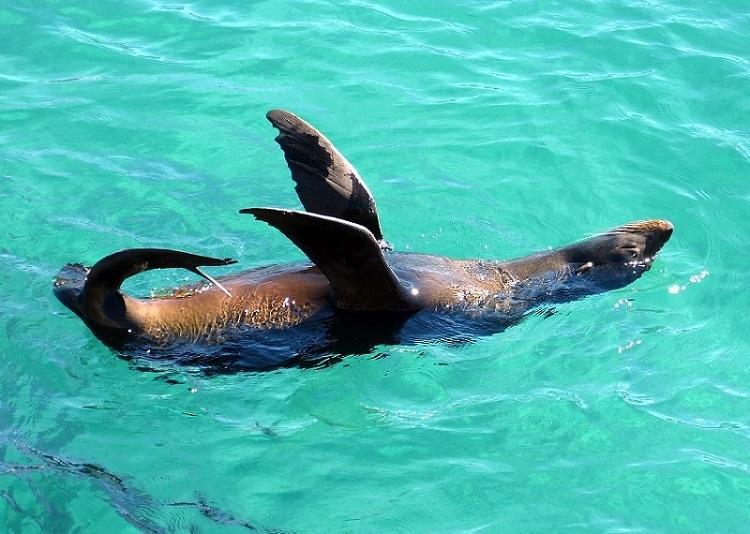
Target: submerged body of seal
point(355, 281)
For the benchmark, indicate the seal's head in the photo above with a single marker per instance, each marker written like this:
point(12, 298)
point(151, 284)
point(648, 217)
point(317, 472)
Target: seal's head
point(618, 257)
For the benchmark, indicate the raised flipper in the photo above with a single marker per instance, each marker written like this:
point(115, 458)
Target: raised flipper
point(347, 254)
point(327, 183)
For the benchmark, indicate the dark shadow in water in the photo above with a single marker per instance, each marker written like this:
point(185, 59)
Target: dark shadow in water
point(320, 342)
point(132, 504)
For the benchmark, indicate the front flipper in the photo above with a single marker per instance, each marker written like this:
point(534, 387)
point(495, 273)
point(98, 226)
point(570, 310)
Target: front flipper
point(347, 254)
point(326, 182)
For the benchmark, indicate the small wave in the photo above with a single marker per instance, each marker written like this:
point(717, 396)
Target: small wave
point(131, 47)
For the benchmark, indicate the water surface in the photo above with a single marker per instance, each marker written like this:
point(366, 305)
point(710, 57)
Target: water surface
point(484, 129)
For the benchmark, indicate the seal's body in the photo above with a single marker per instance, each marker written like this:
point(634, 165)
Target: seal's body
point(353, 273)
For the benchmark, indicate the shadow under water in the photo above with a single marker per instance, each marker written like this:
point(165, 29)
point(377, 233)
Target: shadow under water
point(320, 342)
point(144, 512)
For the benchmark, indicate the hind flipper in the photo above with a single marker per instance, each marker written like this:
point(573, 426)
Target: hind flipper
point(101, 300)
point(347, 254)
point(327, 183)
point(111, 271)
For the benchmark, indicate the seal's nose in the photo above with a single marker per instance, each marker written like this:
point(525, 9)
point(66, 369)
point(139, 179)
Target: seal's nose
point(655, 231)
point(663, 225)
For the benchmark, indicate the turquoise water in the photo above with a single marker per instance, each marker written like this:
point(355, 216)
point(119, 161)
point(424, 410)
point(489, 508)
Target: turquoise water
point(484, 129)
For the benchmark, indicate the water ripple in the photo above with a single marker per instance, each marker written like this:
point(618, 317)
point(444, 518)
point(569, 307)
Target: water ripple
point(131, 47)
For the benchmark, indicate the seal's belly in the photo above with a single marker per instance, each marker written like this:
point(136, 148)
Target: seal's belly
point(286, 297)
point(262, 299)
point(442, 284)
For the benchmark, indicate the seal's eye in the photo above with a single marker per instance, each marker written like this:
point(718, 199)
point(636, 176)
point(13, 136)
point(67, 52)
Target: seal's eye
point(629, 253)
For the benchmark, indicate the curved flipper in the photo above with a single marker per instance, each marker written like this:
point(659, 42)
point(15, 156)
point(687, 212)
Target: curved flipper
point(99, 300)
point(110, 272)
point(347, 254)
point(327, 183)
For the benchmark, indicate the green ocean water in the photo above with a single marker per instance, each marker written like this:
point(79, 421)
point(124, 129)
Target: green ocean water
point(484, 130)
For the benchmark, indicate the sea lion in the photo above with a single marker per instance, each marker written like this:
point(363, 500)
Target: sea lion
point(354, 278)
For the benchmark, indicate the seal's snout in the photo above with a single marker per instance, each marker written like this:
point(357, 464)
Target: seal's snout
point(655, 232)
point(658, 233)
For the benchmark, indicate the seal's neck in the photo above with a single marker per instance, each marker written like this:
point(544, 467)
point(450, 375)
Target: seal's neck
point(602, 263)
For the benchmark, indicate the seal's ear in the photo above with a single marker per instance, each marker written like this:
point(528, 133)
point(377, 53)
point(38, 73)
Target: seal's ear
point(327, 183)
point(101, 300)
